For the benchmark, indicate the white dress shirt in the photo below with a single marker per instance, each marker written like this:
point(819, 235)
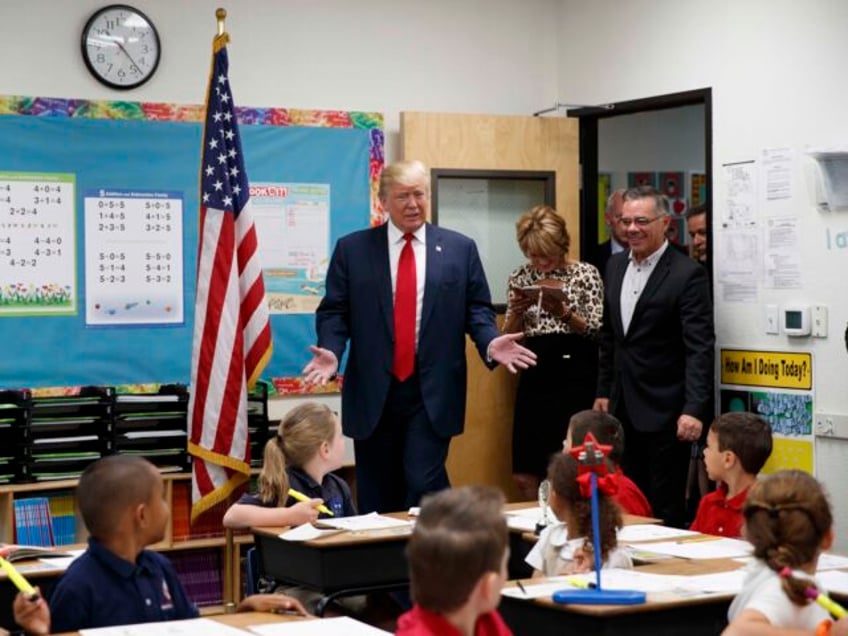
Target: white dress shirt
point(635, 278)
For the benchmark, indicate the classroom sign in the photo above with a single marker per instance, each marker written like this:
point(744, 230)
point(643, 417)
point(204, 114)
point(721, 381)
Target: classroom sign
point(767, 368)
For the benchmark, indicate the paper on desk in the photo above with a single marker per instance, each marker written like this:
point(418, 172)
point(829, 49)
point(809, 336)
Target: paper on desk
point(371, 521)
point(523, 519)
point(414, 511)
point(62, 563)
point(613, 579)
point(829, 561)
point(650, 532)
point(725, 582)
point(712, 548)
point(189, 627)
point(307, 532)
point(340, 626)
point(833, 581)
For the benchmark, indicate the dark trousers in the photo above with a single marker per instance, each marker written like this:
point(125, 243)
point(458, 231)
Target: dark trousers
point(659, 464)
point(403, 459)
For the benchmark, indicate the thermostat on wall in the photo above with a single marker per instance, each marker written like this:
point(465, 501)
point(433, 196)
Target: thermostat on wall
point(796, 320)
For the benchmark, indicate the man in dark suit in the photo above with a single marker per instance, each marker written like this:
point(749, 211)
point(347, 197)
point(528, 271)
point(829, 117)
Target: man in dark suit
point(617, 241)
point(656, 361)
point(404, 389)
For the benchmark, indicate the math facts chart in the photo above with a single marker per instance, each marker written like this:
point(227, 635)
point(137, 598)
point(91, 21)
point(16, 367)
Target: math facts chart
point(133, 257)
point(37, 244)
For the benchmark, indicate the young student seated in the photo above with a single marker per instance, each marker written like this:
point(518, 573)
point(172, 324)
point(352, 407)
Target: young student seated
point(308, 446)
point(457, 565)
point(566, 547)
point(608, 431)
point(116, 581)
point(738, 445)
point(789, 522)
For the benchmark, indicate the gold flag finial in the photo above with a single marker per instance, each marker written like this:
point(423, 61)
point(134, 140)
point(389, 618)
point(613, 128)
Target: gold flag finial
point(221, 15)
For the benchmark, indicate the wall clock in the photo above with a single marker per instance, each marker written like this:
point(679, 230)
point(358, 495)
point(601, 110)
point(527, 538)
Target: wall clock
point(120, 46)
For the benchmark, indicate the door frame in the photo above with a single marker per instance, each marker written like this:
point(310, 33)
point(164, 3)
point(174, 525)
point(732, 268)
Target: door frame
point(589, 118)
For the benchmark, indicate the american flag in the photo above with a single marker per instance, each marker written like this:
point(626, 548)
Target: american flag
point(232, 334)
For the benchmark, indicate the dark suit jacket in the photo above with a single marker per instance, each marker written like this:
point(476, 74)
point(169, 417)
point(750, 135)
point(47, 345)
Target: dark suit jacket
point(602, 256)
point(663, 367)
point(358, 307)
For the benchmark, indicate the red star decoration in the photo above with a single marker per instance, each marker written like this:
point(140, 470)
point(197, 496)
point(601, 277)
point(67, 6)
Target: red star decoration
point(591, 456)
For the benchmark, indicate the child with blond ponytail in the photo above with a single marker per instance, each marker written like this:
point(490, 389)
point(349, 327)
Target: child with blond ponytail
point(308, 446)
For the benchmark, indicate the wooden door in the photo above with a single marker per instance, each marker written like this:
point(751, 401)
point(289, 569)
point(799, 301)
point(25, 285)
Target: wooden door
point(483, 453)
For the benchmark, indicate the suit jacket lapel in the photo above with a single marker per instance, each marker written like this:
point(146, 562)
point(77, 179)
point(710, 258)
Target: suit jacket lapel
point(659, 274)
point(616, 279)
point(381, 270)
point(435, 254)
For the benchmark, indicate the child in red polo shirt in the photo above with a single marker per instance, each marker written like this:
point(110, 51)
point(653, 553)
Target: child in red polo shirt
point(457, 565)
point(738, 445)
point(608, 430)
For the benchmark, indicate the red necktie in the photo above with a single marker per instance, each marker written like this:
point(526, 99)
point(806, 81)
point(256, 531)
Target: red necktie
point(406, 292)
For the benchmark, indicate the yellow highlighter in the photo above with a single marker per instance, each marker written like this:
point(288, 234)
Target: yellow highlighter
point(17, 578)
point(294, 494)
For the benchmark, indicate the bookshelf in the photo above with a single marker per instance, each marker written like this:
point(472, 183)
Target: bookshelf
point(53, 439)
point(200, 554)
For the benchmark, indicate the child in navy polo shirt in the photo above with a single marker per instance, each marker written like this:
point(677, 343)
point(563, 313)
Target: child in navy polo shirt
point(308, 446)
point(117, 581)
point(738, 445)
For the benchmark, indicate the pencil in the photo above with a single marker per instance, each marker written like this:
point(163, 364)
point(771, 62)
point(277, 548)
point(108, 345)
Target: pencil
point(294, 494)
point(521, 587)
point(826, 602)
point(17, 578)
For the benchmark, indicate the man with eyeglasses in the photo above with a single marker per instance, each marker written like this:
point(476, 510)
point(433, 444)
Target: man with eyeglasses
point(656, 353)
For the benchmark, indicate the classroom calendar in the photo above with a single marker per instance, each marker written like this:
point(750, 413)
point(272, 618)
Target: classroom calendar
point(133, 257)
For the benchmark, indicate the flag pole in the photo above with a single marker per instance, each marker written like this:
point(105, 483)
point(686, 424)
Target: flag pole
point(221, 15)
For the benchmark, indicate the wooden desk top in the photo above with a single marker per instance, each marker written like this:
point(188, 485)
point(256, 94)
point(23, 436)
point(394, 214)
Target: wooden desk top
point(656, 600)
point(345, 537)
point(241, 620)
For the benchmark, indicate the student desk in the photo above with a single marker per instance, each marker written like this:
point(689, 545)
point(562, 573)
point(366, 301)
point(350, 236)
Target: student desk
point(664, 614)
point(520, 541)
point(242, 620)
point(337, 565)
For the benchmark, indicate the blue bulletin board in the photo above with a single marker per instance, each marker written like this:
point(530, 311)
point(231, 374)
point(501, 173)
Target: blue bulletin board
point(155, 148)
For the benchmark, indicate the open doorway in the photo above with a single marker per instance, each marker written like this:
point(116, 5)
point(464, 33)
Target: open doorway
point(667, 139)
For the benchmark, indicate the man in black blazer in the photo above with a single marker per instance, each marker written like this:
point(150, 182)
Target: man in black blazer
point(617, 241)
point(656, 354)
point(402, 426)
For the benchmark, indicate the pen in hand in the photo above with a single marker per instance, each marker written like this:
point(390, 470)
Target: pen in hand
point(294, 494)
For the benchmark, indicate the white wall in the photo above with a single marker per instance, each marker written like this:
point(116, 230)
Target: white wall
point(486, 56)
point(775, 68)
point(659, 140)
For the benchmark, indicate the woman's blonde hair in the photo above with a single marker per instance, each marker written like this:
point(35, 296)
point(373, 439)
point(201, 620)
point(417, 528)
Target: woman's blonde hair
point(298, 439)
point(542, 232)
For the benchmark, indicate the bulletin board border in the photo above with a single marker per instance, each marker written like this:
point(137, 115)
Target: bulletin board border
point(246, 115)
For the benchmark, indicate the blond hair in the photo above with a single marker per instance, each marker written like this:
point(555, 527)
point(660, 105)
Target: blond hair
point(403, 173)
point(542, 232)
point(298, 439)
